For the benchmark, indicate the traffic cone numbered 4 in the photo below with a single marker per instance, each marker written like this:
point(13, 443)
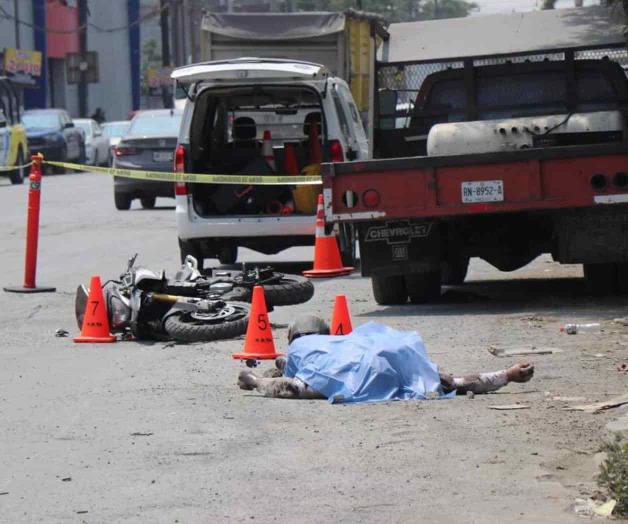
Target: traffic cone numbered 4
point(327, 260)
point(340, 319)
point(95, 328)
point(259, 343)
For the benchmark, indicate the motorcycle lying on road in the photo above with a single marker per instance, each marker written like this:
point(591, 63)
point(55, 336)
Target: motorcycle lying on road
point(280, 289)
point(137, 304)
point(192, 307)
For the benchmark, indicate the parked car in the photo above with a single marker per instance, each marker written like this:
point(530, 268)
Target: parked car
point(52, 133)
point(149, 145)
point(242, 104)
point(13, 144)
point(114, 131)
point(96, 144)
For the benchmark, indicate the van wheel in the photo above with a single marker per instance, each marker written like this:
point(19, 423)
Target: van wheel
point(423, 287)
point(122, 201)
point(227, 255)
point(17, 175)
point(600, 279)
point(389, 290)
point(148, 202)
point(346, 244)
point(189, 247)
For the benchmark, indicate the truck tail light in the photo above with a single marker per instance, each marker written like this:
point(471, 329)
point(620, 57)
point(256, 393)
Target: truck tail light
point(336, 154)
point(370, 198)
point(125, 151)
point(180, 188)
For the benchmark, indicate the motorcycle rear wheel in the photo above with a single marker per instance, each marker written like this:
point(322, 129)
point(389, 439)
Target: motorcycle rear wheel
point(291, 289)
point(188, 327)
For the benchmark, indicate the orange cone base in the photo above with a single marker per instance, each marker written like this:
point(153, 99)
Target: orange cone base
point(95, 340)
point(256, 356)
point(328, 273)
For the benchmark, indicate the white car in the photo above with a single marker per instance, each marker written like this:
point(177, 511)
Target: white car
point(237, 107)
point(97, 149)
point(115, 131)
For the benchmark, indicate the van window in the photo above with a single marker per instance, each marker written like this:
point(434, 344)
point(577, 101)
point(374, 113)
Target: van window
point(342, 117)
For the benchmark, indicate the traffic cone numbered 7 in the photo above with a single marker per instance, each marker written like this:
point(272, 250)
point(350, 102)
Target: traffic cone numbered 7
point(327, 260)
point(95, 326)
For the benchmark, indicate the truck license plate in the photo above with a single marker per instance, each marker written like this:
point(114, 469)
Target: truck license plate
point(485, 191)
point(162, 156)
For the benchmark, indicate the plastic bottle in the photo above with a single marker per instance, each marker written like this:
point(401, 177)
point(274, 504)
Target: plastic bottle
point(573, 329)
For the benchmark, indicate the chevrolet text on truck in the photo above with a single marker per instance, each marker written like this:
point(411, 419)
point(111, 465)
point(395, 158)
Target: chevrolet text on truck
point(502, 143)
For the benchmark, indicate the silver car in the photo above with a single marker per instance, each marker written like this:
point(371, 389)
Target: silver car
point(114, 131)
point(148, 145)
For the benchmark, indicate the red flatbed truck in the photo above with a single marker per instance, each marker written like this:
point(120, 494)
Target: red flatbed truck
point(501, 159)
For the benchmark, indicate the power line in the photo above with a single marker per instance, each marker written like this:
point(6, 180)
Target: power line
point(155, 12)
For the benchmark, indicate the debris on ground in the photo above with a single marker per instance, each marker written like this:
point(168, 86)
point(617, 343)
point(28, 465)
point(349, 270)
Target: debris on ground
point(623, 368)
point(508, 407)
point(590, 508)
point(138, 434)
point(601, 406)
point(62, 333)
point(504, 352)
point(574, 329)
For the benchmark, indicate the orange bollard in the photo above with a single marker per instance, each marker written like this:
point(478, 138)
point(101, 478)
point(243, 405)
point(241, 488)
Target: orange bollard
point(259, 343)
point(340, 318)
point(95, 321)
point(290, 160)
point(32, 232)
point(327, 260)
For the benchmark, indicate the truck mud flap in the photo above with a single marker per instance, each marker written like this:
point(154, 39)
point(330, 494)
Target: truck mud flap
point(399, 247)
point(593, 237)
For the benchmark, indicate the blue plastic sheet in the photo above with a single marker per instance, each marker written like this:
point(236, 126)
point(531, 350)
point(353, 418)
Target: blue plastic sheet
point(373, 363)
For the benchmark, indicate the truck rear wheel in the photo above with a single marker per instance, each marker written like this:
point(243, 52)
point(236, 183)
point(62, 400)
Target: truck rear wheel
point(389, 290)
point(454, 271)
point(622, 277)
point(601, 279)
point(423, 287)
point(346, 244)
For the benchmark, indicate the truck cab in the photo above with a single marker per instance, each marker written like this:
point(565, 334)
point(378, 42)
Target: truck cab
point(259, 117)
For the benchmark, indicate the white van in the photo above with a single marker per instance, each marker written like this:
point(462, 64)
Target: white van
point(307, 116)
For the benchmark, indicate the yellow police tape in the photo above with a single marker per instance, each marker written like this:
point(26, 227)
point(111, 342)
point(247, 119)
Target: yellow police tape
point(194, 178)
point(13, 168)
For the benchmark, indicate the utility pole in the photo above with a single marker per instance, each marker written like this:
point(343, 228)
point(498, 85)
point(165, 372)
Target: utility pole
point(16, 13)
point(165, 33)
point(82, 86)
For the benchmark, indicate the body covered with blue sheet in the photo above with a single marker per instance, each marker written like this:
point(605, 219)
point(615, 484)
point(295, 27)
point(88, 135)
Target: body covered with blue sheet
point(373, 363)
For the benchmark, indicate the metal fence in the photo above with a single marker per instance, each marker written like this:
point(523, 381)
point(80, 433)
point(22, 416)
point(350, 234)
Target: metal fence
point(406, 79)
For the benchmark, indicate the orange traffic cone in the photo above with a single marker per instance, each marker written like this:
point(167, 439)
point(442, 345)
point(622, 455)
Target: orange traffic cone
point(340, 318)
point(327, 261)
point(315, 146)
point(258, 344)
point(267, 150)
point(95, 321)
point(290, 160)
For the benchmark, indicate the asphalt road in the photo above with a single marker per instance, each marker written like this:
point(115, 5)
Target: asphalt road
point(150, 432)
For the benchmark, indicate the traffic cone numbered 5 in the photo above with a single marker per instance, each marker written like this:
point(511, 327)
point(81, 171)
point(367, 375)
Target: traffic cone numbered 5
point(340, 319)
point(259, 343)
point(327, 260)
point(95, 327)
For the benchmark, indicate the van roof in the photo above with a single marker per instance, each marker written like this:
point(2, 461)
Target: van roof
point(242, 69)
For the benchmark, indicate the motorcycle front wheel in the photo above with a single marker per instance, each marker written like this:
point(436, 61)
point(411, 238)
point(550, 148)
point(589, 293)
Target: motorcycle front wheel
point(228, 322)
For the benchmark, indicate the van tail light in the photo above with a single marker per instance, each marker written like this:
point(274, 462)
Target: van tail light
point(370, 198)
point(180, 188)
point(125, 151)
point(336, 154)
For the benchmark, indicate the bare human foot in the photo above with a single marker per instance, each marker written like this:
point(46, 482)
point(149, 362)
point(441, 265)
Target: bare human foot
point(521, 372)
point(247, 380)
